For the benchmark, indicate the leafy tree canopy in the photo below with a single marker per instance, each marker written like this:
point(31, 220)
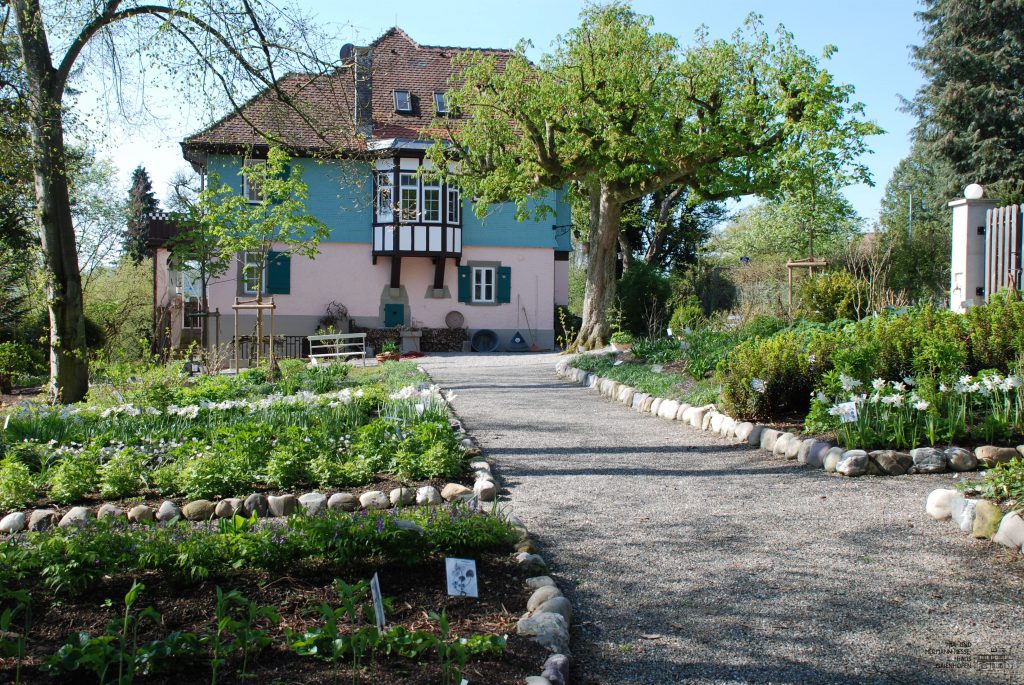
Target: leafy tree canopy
point(622, 111)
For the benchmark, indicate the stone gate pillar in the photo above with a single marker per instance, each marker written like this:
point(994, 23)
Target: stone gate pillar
point(967, 269)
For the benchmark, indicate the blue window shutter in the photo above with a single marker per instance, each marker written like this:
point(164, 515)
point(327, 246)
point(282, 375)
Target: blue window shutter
point(465, 284)
point(504, 293)
point(279, 273)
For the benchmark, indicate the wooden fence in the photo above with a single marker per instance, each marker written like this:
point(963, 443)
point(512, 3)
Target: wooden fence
point(1003, 233)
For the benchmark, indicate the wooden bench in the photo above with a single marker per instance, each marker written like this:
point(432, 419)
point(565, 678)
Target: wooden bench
point(334, 346)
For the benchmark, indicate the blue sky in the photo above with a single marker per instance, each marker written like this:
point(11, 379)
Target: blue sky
point(873, 37)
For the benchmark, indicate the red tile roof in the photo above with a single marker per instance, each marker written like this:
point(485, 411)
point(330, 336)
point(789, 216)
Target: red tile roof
point(317, 115)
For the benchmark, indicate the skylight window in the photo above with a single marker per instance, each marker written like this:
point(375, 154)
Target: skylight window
point(403, 101)
point(441, 103)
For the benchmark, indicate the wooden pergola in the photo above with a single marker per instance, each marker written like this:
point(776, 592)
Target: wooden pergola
point(809, 263)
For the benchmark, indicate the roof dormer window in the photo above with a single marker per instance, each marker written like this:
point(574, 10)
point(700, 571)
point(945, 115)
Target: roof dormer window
point(403, 101)
point(441, 103)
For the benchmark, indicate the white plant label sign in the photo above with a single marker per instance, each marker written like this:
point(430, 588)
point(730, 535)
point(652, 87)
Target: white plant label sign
point(462, 578)
point(378, 602)
point(656, 368)
point(847, 412)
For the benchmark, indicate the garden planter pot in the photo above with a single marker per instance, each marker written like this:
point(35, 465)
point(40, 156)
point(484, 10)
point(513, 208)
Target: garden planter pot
point(622, 347)
point(388, 357)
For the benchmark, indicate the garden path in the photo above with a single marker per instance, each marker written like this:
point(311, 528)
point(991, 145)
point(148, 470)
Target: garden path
point(690, 559)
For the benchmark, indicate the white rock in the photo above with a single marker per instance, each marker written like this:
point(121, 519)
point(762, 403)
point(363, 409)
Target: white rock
point(782, 444)
point(167, 511)
point(728, 427)
point(76, 516)
point(832, 458)
point(853, 463)
point(343, 501)
point(541, 595)
point(402, 497)
point(1011, 532)
point(556, 605)
point(705, 424)
point(768, 438)
point(697, 416)
point(13, 523)
point(966, 520)
point(428, 494)
point(717, 420)
point(536, 680)
point(411, 526)
point(681, 412)
point(812, 452)
point(937, 505)
point(743, 430)
point(550, 630)
point(668, 409)
point(313, 503)
point(538, 582)
point(374, 499)
point(485, 490)
point(957, 504)
point(656, 405)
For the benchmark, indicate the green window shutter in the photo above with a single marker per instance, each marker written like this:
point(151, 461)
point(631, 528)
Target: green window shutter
point(465, 284)
point(279, 273)
point(504, 294)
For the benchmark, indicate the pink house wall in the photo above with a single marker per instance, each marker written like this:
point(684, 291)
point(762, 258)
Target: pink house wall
point(344, 272)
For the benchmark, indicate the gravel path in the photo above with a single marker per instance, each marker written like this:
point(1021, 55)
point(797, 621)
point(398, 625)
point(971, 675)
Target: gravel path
point(692, 560)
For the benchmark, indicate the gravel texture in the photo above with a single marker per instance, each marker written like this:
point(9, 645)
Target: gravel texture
point(690, 559)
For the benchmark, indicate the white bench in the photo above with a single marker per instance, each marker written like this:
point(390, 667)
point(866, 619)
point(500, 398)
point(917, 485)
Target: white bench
point(334, 346)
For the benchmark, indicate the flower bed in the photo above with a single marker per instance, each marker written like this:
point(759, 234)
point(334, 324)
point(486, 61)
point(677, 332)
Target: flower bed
point(270, 586)
point(235, 436)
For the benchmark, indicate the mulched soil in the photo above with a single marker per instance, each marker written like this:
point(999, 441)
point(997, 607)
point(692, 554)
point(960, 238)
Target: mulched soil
point(414, 591)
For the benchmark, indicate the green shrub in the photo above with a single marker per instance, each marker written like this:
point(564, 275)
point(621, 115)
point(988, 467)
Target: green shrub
point(124, 474)
point(688, 315)
point(761, 326)
point(74, 476)
point(17, 487)
point(995, 333)
point(770, 377)
point(621, 338)
point(833, 295)
point(15, 360)
point(643, 296)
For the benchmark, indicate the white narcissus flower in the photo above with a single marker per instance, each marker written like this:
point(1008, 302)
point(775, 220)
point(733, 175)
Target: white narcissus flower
point(849, 383)
point(899, 387)
point(909, 380)
point(921, 405)
point(878, 384)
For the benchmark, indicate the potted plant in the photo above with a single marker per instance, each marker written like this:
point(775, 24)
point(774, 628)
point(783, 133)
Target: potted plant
point(621, 341)
point(388, 352)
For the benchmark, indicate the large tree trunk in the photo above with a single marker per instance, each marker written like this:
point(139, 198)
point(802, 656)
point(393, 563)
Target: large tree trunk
point(69, 371)
point(605, 212)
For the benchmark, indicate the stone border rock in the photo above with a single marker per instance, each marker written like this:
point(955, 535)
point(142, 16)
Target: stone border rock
point(807, 451)
point(978, 517)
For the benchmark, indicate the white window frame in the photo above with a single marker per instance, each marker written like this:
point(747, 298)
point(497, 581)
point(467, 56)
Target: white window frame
point(454, 205)
point(431, 188)
point(482, 291)
point(247, 259)
point(385, 203)
point(408, 100)
point(441, 102)
point(250, 192)
point(405, 212)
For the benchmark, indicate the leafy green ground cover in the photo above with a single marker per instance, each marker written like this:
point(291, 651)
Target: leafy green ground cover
point(220, 436)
